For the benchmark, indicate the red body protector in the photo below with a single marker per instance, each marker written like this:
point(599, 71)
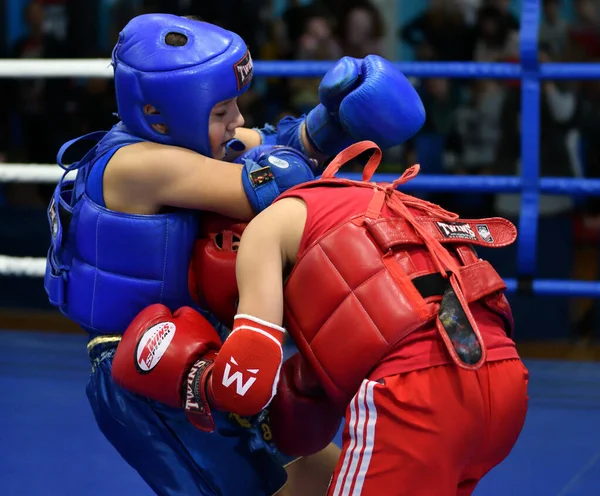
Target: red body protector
point(358, 290)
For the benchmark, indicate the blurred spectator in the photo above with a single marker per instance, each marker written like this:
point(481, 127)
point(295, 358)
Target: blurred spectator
point(560, 117)
point(553, 29)
point(475, 130)
point(584, 31)
point(314, 41)
point(560, 121)
point(95, 106)
point(274, 90)
point(504, 7)
point(441, 33)
point(471, 127)
point(587, 222)
point(440, 99)
point(298, 20)
point(36, 106)
point(37, 98)
point(469, 9)
point(245, 17)
point(588, 227)
point(361, 30)
point(277, 45)
point(591, 130)
point(121, 11)
point(253, 108)
point(496, 38)
point(317, 41)
point(472, 142)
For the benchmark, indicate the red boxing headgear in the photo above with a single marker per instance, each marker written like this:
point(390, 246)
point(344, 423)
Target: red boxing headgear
point(213, 266)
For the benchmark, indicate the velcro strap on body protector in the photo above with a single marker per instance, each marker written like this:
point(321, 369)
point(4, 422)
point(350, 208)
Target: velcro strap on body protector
point(454, 320)
point(390, 233)
point(59, 215)
point(480, 279)
point(60, 212)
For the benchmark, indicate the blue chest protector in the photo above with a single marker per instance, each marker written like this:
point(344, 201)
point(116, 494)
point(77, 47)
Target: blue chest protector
point(104, 267)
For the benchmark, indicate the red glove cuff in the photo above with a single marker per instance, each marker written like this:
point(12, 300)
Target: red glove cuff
point(243, 321)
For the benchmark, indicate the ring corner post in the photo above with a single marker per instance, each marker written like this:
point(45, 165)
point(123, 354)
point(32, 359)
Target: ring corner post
point(530, 141)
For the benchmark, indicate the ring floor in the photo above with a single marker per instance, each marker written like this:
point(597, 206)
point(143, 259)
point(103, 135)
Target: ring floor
point(50, 445)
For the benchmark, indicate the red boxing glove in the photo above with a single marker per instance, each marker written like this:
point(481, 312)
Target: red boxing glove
point(303, 420)
point(213, 266)
point(168, 357)
point(245, 374)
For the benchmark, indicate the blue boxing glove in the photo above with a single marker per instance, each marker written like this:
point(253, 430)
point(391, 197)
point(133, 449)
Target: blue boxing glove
point(361, 99)
point(364, 99)
point(271, 170)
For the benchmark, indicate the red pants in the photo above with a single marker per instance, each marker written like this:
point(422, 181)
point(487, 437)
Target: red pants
point(435, 431)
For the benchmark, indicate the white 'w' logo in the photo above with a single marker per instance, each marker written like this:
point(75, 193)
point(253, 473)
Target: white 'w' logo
point(241, 388)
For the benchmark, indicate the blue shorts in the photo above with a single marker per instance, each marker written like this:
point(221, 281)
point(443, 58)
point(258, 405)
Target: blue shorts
point(171, 455)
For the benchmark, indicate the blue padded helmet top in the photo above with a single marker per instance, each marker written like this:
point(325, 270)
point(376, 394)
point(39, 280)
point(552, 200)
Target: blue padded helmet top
point(182, 82)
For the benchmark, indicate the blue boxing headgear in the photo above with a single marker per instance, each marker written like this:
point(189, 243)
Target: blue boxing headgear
point(183, 83)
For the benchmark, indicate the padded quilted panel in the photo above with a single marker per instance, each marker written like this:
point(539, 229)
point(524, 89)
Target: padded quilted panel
point(391, 311)
point(352, 335)
point(353, 253)
point(341, 297)
point(316, 289)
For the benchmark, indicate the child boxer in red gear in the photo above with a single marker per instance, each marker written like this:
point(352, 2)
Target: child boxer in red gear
point(248, 374)
point(397, 318)
point(177, 357)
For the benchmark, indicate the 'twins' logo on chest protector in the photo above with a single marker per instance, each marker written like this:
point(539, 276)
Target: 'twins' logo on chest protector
point(456, 230)
point(241, 387)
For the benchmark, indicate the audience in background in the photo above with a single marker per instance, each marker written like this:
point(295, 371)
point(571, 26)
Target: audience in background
point(473, 126)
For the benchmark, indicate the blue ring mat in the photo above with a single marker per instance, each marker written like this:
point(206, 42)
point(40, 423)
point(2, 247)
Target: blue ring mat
point(51, 445)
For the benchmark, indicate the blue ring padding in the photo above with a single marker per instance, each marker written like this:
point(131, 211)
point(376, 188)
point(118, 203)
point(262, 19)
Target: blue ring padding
point(457, 70)
point(564, 186)
point(530, 134)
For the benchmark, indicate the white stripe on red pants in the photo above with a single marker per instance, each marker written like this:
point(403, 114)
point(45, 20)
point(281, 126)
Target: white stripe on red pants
point(361, 429)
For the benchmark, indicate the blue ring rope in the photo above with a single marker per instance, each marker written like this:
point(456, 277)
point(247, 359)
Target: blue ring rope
point(530, 185)
point(564, 186)
point(456, 70)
